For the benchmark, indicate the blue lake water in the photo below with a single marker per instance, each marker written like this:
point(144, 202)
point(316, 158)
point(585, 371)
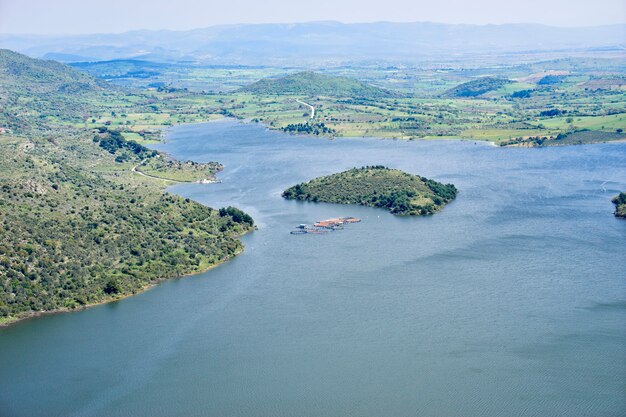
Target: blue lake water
point(511, 301)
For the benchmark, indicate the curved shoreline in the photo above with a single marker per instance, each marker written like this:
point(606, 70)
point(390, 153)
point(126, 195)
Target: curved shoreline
point(9, 321)
point(35, 314)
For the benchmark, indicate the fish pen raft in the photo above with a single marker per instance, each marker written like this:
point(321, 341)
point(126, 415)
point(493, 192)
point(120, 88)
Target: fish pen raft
point(324, 226)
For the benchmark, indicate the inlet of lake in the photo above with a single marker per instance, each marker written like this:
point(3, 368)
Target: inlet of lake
point(509, 302)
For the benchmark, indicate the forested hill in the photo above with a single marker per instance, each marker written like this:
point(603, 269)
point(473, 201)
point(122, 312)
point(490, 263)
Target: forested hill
point(309, 83)
point(477, 87)
point(77, 225)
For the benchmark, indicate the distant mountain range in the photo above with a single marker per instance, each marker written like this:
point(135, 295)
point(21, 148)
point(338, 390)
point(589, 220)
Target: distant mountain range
point(316, 42)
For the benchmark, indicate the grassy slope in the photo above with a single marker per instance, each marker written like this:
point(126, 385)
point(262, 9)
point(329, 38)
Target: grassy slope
point(397, 191)
point(77, 227)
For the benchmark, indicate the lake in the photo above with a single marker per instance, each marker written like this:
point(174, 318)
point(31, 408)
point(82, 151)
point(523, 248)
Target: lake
point(511, 301)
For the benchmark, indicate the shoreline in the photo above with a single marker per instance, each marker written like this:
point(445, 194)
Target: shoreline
point(490, 142)
point(36, 314)
point(213, 180)
point(9, 321)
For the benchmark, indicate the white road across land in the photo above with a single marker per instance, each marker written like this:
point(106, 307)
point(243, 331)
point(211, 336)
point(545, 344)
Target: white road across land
point(136, 170)
point(309, 106)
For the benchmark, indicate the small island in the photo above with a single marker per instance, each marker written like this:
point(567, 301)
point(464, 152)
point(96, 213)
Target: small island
point(377, 186)
point(620, 205)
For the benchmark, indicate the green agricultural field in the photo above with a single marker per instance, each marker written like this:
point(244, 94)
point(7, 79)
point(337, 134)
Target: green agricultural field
point(500, 104)
point(488, 109)
point(604, 123)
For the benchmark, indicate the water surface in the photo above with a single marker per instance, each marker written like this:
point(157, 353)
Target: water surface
point(511, 301)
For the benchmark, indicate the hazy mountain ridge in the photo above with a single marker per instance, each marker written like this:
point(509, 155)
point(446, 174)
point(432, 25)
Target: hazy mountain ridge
point(330, 41)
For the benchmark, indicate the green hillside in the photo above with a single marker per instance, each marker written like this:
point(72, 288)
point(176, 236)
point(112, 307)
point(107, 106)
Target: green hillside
point(38, 75)
point(314, 84)
point(77, 225)
point(477, 87)
point(34, 90)
point(377, 186)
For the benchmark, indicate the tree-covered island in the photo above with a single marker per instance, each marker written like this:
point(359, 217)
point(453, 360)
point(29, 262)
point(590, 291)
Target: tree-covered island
point(377, 186)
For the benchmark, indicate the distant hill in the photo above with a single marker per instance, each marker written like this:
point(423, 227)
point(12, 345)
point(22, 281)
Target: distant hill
point(40, 75)
point(315, 84)
point(34, 88)
point(315, 42)
point(477, 87)
point(122, 68)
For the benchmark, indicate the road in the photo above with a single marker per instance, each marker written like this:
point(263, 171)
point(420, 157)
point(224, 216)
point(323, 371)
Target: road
point(134, 169)
point(309, 106)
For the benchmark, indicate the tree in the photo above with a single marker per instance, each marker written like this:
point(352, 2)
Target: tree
point(112, 287)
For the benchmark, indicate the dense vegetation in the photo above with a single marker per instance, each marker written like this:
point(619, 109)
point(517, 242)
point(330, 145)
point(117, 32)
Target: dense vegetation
point(125, 150)
point(314, 84)
point(77, 226)
point(620, 205)
point(69, 237)
point(238, 216)
point(551, 79)
point(522, 94)
point(377, 186)
point(308, 128)
point(477, 87)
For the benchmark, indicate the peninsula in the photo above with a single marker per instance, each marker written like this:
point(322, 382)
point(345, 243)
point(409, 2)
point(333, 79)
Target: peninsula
point(84, 217)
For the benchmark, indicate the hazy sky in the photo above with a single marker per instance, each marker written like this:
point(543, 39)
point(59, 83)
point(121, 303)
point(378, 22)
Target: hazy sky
point(98, 16)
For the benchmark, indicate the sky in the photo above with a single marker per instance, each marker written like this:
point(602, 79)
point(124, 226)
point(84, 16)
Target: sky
point(112, 16)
